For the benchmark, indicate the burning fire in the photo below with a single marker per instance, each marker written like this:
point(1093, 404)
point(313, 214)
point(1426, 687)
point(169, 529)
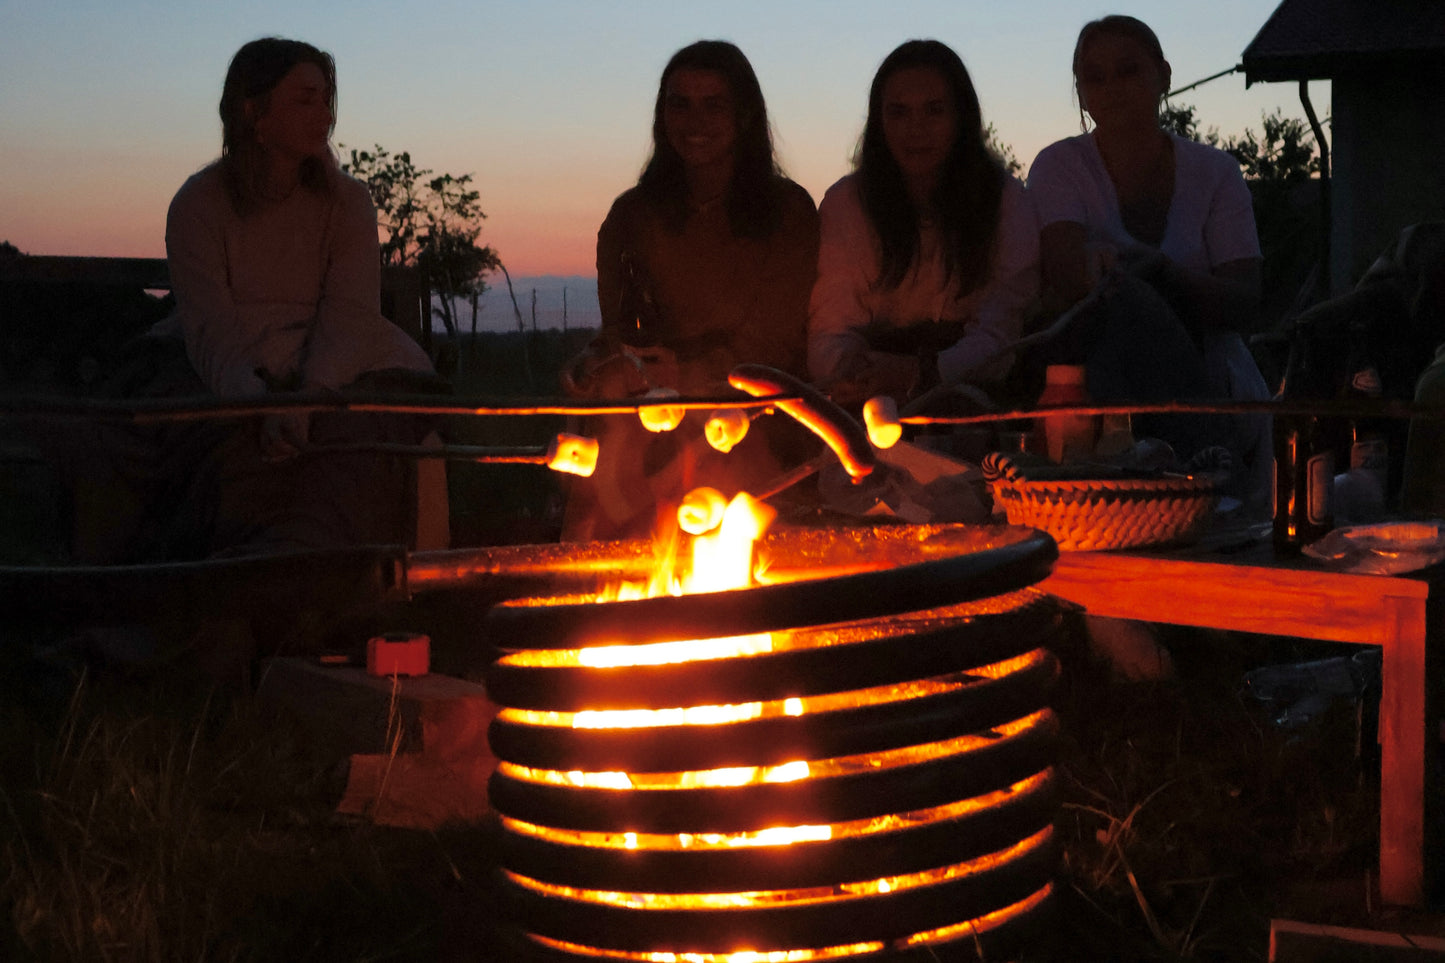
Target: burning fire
point(717, 553)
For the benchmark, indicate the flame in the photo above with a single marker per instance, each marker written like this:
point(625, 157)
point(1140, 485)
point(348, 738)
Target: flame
point(660, 718)
point(723, 559)
point(737, 956)
point(722, 534)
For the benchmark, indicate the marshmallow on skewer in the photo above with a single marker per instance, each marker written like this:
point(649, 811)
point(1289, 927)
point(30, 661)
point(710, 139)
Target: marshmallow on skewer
point(880, 414)
point(701, 510)
point(726, 427)
point(572, 454)
point(660, 418)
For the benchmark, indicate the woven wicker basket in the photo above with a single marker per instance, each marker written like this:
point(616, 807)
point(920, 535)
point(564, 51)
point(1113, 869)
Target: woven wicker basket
point(1093, 514)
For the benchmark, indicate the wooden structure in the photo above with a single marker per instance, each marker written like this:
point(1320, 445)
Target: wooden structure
point(405, 297)
point(405, 301)
point(1291, 941)
point(1385, 60)
point(1252, 591)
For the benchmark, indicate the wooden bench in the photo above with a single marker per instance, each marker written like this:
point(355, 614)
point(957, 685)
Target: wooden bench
point(405, 301)
point(405, 297)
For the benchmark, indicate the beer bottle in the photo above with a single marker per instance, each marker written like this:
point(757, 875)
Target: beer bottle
point(1369, 447)
point(1304, 462)
point(1304, 480)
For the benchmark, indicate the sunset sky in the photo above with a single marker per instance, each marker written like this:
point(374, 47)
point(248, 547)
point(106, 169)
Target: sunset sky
point(106, 106)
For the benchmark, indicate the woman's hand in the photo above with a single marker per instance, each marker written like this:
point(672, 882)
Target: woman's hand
point(876, 373)
point(1146, 263)
point(284, 435)
point(620, 373)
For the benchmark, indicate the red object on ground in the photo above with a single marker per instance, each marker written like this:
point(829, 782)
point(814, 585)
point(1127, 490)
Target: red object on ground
point(398, 653)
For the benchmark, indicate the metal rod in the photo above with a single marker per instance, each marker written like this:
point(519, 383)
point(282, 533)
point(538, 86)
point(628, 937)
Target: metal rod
point(154, 410)
point(1027, 341)
point(1361, 408)
point(791, 477)
point(1237, 68)
point(521, 455)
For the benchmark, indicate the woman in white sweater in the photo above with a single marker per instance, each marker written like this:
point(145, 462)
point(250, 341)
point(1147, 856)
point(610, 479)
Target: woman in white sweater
point(273, 250)
point(928, 252)
point(276, 273)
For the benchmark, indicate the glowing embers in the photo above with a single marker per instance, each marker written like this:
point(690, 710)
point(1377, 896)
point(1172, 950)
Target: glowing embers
point(971, 929)
point(1037, 787)
point(1037, 660)
point(790, 771)
point(839, 891)
point(967, 931)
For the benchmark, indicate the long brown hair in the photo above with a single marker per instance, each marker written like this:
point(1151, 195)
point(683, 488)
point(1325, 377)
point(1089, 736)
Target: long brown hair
point(255, 71)
point(754, 195)
point(969, 193)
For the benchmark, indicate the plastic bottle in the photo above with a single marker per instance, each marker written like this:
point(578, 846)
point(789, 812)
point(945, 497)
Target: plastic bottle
point(1067, 437)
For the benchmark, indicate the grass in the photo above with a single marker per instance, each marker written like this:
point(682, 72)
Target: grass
point(147, 816)
point(147, 824)
point(144, 817)
point(1190, 820)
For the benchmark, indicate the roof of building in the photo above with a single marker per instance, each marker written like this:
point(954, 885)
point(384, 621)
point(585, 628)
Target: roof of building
point(1319, 39)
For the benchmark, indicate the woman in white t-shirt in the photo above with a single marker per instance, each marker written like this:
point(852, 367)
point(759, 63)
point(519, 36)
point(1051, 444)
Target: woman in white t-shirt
point(928, 252)
point(1170, 221)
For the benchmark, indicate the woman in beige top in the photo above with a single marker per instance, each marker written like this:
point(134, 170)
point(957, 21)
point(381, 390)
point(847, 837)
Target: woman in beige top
point(275, 269)
point(706, 263)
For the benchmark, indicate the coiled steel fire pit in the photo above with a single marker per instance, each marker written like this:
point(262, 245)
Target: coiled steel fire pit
point(852, 761)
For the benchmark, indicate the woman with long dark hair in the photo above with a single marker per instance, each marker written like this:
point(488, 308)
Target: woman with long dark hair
point(927, 265)
point(706, 263)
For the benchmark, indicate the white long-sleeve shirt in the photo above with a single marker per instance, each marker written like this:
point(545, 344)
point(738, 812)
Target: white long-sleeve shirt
point(844, 298)
point(293, 288)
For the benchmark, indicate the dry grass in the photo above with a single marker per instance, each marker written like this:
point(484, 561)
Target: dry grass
point(1189, 817)
point(148, 823)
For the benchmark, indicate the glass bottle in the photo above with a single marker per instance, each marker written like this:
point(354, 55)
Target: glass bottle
point(1304, 462)
point(1369, 449)
point(637, 311)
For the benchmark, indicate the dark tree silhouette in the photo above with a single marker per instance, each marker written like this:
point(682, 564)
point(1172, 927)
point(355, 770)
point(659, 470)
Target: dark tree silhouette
point(431, 221)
